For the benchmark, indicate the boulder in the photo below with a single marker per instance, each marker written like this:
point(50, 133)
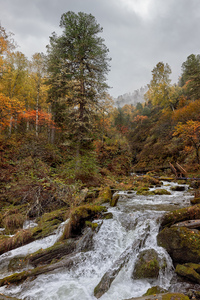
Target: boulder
point(178, 188)
point(181, 243)
point(189, 271)
point(155, 290)
point(167, 296)
point(114, 200)
point(147, 265)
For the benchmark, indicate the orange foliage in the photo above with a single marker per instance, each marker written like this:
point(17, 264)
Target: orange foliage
point(188, 112)
point(140, 119)
point(43, 117)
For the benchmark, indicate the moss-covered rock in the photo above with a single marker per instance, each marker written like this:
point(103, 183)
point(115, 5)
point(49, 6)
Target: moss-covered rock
point(107, 216)
point(182, 244)
point(147, 265)
point(161, 192)
point(166, 296)
point(189, 272)
point(178, 188)
point(155, 290)
point(114, 200)
point(105, 194)
point(49, 222)
point(183, 214)
point(79, 216)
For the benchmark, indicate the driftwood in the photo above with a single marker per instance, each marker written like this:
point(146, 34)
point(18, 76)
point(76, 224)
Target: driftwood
point(191, 224)
point(178, 170)
point(67, 262)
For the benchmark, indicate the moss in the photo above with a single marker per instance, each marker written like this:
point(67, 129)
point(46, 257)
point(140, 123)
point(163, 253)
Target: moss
point(154, 290)
point(174, 296)
point(105, 194)
point(78, 217)
point(114, 200)
point(147, 265)
point(107, 216)
point(93, 226)
point(48, 223)
point(183, 214)
point(181, 243)
point(161, 192)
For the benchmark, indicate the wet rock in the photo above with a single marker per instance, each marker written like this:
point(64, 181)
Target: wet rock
point(78, 218)
point(166, 296)
point(105, 195)
point(189, 271)
point(181, 243)
point(147, 265)
point(107, 216)
point(113, 271)
point(178, 188)
point(155, 290)
point(114, 200)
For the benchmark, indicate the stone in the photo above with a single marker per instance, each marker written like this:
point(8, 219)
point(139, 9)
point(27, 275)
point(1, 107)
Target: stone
point(147, 265)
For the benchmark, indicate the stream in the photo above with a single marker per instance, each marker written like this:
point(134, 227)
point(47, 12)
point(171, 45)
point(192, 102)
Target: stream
point(134, 218)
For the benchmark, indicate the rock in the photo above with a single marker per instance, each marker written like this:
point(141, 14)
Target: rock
point(78, 217)
point(4, 297)
point(195, 201)
point(161, 192)
point(189, 224)
point(181, 243)
point(178, 188)
point(113, 271)
point(105, 194)
point(183, 214)
point(107, 216)
point(167, 296)
point(155, 290)
point(114, 200)
point(147, 265)
point(188, 272)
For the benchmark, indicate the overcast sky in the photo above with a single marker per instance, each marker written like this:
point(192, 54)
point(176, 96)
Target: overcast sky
point(138, 33)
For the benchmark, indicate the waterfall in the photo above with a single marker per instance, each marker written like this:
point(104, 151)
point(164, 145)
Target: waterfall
point(136, 218)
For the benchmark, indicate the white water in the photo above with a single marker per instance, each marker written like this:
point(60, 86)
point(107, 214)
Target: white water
point(134, 217)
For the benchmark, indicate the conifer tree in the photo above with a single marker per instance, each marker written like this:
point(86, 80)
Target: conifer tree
point(77, 63)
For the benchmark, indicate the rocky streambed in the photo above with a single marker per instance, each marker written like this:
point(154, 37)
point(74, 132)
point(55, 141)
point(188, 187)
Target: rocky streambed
point(144, 242)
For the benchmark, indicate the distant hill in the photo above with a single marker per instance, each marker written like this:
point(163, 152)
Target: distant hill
point(131, 98)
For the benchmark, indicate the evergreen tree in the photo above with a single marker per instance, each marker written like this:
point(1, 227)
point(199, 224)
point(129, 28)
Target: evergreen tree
point(77, 63)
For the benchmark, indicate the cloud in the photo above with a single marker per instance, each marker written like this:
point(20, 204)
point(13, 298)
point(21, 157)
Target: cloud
point(139, 33)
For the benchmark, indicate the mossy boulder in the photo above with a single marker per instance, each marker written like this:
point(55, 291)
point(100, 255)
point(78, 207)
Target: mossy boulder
point(107, 216)
point(189, 271)
point(178, 188)
point(182, 244)
point(147, 265)
point(79, 216)
point(114, 200)
point(182, 214)
point(105, 195)
point(165, 296)
point(161, 192)
point(155, 290)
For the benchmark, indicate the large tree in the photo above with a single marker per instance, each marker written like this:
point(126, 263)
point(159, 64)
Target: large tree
point(77, 63)
point(190, 78)
point(159, 93)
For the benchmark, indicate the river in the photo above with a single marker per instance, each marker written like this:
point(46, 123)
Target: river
point(135, 217)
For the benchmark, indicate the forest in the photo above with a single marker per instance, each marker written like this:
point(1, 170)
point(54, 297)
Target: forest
point(59, 128)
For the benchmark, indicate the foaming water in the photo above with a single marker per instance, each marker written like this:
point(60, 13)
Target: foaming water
point(134, 228)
